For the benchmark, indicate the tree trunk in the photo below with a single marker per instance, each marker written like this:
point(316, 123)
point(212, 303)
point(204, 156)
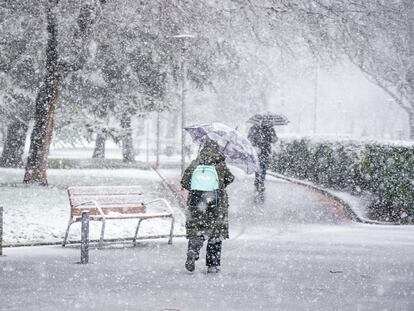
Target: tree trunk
point(172, 125)
point(46, 99)
point(45, 106)
point(99, 151)
point(128, 153)
point(14, 145)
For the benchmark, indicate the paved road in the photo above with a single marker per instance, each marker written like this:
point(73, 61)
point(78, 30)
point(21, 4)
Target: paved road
point(296, 252)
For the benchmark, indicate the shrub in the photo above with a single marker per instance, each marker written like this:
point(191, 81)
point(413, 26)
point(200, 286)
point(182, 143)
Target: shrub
point(387, 172)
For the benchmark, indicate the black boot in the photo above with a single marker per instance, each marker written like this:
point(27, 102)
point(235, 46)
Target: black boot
point(259, 197)
point(213, 255)
point(190, 262)
point(194, 246)
point(213, 269)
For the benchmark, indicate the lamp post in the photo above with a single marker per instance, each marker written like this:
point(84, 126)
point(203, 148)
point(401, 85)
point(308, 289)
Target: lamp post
point(183, 113)
point(339, 118)
point(390, 116)
point(183, 39)
point(157, 161)
point(316, 99)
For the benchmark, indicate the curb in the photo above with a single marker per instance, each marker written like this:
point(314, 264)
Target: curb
point(345, 206)
point(96, 241)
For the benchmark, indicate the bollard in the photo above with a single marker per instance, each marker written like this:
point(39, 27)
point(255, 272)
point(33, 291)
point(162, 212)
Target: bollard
point(85, 238)
point(1, 230)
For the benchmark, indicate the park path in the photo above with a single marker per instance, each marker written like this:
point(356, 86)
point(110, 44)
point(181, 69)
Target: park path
point(286, 204)
point(295, 252)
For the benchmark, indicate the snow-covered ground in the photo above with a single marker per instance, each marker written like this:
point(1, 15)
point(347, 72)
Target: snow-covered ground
point(295, 252)
point(36, 214)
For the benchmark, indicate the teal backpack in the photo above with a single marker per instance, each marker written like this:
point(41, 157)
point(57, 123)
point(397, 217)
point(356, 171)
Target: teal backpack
point(205, 178)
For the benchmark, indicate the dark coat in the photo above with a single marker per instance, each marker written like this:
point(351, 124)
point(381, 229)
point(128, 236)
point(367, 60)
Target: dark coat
point(262, 137)
point(212, 222)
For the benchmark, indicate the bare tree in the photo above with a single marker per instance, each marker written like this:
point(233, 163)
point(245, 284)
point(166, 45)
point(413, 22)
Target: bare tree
point(377, 36)
point(381, 43)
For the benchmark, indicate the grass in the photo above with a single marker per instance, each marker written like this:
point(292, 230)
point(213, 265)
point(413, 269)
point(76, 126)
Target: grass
point(94, 164)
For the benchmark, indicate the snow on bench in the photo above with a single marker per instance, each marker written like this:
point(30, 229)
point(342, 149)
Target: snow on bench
point(113, 202)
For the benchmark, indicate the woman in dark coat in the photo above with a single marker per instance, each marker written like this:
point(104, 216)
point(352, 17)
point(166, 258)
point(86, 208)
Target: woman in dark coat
point(210, 222)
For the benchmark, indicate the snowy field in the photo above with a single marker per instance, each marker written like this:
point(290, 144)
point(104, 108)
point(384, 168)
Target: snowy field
point(295, 252)
point(35, 214)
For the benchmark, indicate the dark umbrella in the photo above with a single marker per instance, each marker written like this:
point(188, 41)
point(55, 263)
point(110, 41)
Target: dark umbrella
point(268, 119)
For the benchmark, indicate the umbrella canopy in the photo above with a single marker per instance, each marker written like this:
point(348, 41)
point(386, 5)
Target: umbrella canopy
point(236, 148)
point(269, 119)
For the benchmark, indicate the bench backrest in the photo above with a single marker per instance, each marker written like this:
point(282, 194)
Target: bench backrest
point(120, 199)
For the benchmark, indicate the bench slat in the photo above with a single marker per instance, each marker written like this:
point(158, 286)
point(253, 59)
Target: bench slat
point(130, 216)
point(107, 200)
point(107, 210)
point(104, 190)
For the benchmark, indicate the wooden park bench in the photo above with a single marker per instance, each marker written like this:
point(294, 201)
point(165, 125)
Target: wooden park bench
point(113, 202)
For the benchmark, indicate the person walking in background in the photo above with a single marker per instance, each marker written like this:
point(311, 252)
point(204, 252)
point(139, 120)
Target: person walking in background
point(206, 179)
point(262, 136)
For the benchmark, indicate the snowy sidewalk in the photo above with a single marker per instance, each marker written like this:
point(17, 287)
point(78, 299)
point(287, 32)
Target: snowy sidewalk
point(295, 252)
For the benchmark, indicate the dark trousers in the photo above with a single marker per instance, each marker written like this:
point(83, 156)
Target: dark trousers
point(260, 177)
point(213, 250)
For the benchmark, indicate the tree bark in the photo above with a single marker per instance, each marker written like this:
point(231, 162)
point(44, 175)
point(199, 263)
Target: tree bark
point(14, 145)
point(128, 153)
point(99, 151)
point(172, 125)
point(45, 106)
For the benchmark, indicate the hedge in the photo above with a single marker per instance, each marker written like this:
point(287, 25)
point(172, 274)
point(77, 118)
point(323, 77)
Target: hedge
point(384, 171)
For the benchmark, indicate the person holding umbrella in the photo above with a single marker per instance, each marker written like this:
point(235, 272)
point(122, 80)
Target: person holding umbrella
point(206, 180)
point(262, 135)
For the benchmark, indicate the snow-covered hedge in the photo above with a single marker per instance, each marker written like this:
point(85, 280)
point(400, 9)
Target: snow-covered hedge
point(386, 171)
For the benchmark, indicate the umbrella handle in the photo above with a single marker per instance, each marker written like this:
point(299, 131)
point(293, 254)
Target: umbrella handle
point(225, 146)
point(229, 142)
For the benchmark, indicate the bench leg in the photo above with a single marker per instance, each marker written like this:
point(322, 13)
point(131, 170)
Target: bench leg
point(136, 233)
point(67, 232)
point(171, 231)
point(102, 234)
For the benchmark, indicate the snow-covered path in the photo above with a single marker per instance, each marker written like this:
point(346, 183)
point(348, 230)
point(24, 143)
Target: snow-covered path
point(296, 252)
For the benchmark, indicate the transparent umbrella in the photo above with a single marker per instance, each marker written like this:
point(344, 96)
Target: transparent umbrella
point(236, 148)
